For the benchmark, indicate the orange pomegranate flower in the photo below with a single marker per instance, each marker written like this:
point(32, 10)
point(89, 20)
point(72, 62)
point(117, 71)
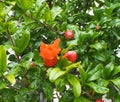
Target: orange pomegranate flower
point(49, 52)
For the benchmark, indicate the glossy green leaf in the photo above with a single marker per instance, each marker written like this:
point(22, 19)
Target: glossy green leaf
point(60, 84)
point(108, 70)
point(43, 12)
point(3, 60)
point(116, 70)
point(98, 13)
point(24, 4)
point(39, 2)
point(100, 56)
point(116, 82)
point(117, 98)
point(116, 34)
point(95, 73)
point(102, 82)
point(81, 99)
point(115, 22)
point(47, 89)
point(5, 10)
point(109, 10)
point(56, 10)
point(11, 78)
point(99, 45)
point(67, 96)
point(3, 85)
point(76, 86)
point(55, 73)
point(98, 89)
point(48, 15)
point(21, 42)
point(83, 74)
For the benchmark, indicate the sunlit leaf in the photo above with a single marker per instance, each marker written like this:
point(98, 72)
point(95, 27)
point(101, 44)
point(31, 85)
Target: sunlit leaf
point(116, 82)
point(11, 78)
point(109, 10)
point(108, 70)
point(3, 85)
point(81, 99)
point(99, 45)
point(21, 42)
point(75, 85)
point(24, 4)
point(55, 73)
point(56, 10)
point(3, 60)
point(97, 88)
point(95, 73)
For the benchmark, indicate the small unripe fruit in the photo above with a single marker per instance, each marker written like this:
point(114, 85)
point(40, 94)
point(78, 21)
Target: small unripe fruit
point(98, 27)
point(69, 34)
point(71, 56)
point(32, 64)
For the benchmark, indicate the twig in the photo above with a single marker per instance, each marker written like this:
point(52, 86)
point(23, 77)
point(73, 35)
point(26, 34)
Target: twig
point(18, 59)
point(43, 24)
point(10, 37)
point(13, 87)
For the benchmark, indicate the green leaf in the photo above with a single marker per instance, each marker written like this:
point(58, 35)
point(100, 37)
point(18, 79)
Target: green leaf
point(81, 99)
point(76, 86)
point(56, 10)
point(109, 10)
point(4, 10)
point(24, 4)
point(3, 85)
point(108, 70)
point(48, 15)
point(98, 13)
point(60, 84)
point(68, 95)
point(116, 98)
point(21, 42)
point(47, 89)
point(98, 89)
point(11, 78)
point(95, 73)
point(83, 74)
point(116, 34)
point(116, 70)
point(55, 73)
point(3, 60)
point(39, 2)
point(43, 12)
point(116, 82)
point(115, 22)
point(102, 82)
point(100, 56)
point(99, 45)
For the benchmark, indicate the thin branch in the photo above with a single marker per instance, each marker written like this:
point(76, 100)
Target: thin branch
point(12, 87)
point(43, 24)
point(18, 59)
point(10, 37)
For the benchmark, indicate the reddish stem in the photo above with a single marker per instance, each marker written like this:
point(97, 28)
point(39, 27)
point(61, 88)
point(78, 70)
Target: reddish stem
point(17, 56)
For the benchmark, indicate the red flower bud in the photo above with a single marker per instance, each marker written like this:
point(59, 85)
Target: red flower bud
point(71, 56)
point(69, 34)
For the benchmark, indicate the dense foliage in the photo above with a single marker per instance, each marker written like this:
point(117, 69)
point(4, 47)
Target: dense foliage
point(37, 59)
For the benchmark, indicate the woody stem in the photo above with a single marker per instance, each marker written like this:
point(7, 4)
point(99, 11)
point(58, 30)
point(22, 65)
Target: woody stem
point(11, 40)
